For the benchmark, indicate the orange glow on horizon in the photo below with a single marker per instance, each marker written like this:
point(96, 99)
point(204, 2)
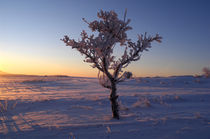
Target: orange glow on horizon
point(18, 64)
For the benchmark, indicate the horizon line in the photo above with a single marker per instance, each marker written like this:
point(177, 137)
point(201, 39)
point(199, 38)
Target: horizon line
point(2, 73)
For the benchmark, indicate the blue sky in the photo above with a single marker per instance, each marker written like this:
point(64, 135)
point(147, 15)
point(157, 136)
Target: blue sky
point(30, 33)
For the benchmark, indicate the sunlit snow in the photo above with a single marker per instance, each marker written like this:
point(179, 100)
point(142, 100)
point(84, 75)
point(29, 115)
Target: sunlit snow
point(75, 107)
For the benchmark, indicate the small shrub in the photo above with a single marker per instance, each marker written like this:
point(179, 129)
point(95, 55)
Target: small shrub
point(123, 107)
point(142, 102)
point(4, 106)
point(177, 97)
point(206, 72)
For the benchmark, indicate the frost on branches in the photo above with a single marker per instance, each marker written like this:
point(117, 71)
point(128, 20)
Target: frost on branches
point(98, 50)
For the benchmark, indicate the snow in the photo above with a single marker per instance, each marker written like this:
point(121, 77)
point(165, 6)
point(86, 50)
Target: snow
point(76, 107)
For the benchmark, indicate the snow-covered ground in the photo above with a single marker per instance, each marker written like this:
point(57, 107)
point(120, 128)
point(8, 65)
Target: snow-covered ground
point(74, 107)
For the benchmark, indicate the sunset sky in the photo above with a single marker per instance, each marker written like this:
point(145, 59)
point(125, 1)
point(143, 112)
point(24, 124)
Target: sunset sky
point(30, 33)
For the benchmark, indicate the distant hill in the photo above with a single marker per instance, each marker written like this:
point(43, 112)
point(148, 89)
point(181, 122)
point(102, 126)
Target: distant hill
point(9, 74)
point(1, 73)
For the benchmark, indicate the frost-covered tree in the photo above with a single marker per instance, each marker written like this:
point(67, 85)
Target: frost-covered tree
point(109, 31)
point(206, 72)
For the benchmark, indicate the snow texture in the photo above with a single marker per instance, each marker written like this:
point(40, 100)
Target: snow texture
point(75, 107)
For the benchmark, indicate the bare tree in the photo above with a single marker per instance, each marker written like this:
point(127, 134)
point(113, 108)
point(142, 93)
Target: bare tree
point(206, 72)
point(98, 50)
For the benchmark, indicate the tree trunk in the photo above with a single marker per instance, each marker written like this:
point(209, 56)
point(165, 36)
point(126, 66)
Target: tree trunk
point(114, 103)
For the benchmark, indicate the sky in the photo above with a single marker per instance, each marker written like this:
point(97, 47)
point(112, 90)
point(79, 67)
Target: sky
point(30, 33)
